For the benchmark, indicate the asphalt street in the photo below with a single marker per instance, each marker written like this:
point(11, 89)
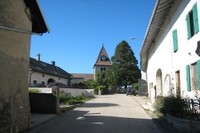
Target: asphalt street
point(104, 114)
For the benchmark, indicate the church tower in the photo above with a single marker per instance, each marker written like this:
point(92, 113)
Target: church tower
point(102, 63)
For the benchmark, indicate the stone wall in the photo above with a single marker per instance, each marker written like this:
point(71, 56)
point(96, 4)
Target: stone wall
point(143, 90)
point(44, 103)
point(14, 66)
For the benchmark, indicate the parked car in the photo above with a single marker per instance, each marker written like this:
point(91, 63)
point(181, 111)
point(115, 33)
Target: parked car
point(134, 92)
point(37, 85)
point(60, 85)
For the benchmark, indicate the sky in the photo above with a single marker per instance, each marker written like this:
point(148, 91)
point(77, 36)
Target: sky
point(79, 28)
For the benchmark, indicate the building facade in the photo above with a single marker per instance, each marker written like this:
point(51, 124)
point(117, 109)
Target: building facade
point(102, 62)
point(45, 73)
point(170, 52)
point(18, 20)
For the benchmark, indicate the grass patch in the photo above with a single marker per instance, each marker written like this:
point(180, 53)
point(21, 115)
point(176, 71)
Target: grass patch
point(34, 90)
point(72, 100)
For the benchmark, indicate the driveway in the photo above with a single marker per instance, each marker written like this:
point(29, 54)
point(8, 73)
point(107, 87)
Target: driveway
point(104, 114)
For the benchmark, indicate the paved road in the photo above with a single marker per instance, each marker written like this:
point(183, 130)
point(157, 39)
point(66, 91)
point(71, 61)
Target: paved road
point(104, 114)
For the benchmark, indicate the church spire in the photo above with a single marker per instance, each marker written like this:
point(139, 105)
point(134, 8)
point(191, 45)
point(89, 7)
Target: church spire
point(103, 58)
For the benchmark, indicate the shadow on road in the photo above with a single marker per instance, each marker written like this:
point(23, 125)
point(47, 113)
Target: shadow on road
point(97, 105)
point(76, 121)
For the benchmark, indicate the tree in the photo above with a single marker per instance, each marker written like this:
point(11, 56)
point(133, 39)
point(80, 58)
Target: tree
point(102, 82)
point(124, 70)
point(90, 84)
point(101, 78)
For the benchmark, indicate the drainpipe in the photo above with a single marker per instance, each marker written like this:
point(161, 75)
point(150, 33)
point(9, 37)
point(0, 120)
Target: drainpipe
point(30, 75)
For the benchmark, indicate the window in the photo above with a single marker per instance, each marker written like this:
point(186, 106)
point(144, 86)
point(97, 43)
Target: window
point(193, 76)
point(43, 75)
point(34, 81)
point(103, 69)
point(192, 22)
point(175, 40)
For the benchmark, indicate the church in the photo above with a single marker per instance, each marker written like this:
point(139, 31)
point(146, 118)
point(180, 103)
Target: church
point(102, 63)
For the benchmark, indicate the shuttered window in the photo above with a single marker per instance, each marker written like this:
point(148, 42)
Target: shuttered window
point(188, 26)
point(192, 22)
point(195, 18)
point(188, 78)
point(198, 74)
point(175, 40)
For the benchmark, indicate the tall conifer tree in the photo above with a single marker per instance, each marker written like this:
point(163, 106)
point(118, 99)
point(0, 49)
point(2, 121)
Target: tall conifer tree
point(124, 70)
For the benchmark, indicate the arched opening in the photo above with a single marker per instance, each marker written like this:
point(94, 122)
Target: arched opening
point(167, 85)
point(50, 81)
point(159, 89)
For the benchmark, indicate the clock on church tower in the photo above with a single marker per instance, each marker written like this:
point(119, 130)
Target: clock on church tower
point(103, 58)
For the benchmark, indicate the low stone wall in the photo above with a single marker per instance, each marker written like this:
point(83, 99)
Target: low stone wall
point(43, 103)
point(46, 101)
point(78, 92)
point(183, 125)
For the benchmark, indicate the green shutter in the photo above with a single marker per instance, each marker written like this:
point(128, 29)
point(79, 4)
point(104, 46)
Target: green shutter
point(198, 73)
point(195, 18)
point(188, 26)
point(175, 40)
point(188, 78)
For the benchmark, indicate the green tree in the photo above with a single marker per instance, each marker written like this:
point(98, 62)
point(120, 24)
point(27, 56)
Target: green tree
point(102, 82)
point(124, 70)
point(90, 83)
point(101, 78)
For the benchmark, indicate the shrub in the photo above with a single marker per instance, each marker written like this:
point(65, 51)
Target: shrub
point(174, 106)
point(103, 88)
point(63, 98)
point(159, 103)
point(72, 100)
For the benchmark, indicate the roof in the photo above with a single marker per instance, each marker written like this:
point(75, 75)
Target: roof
point(38, 23)
point(43, 67)
point(100, 62)
point(84, 76)
point(160, 13)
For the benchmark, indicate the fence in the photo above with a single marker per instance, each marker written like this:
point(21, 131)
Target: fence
point(193, 108)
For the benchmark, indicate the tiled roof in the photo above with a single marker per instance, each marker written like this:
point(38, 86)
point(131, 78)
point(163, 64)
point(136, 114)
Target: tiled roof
point(83, 76)
point(43, 67)
point(38, 21)
point(99, 61)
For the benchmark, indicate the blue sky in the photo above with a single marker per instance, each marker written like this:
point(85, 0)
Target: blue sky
point(78, 28)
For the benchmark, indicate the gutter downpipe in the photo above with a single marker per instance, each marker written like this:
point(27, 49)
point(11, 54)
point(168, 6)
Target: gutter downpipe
point(18, 30)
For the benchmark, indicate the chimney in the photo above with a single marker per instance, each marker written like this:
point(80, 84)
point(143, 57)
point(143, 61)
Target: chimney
point(53, 63)
point(38, 57)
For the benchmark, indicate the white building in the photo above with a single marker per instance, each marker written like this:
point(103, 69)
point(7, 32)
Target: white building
point(44, 73)
point(169, 55)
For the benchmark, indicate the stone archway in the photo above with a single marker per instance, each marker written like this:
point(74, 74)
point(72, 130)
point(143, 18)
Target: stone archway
point(51, 80)
point(159, 89)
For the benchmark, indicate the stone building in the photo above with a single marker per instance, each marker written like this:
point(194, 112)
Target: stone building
point(18, 20)
point(102, 62)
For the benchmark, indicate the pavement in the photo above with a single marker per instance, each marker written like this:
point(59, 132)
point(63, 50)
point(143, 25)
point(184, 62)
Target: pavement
point(145, 102)
point(37, 119)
